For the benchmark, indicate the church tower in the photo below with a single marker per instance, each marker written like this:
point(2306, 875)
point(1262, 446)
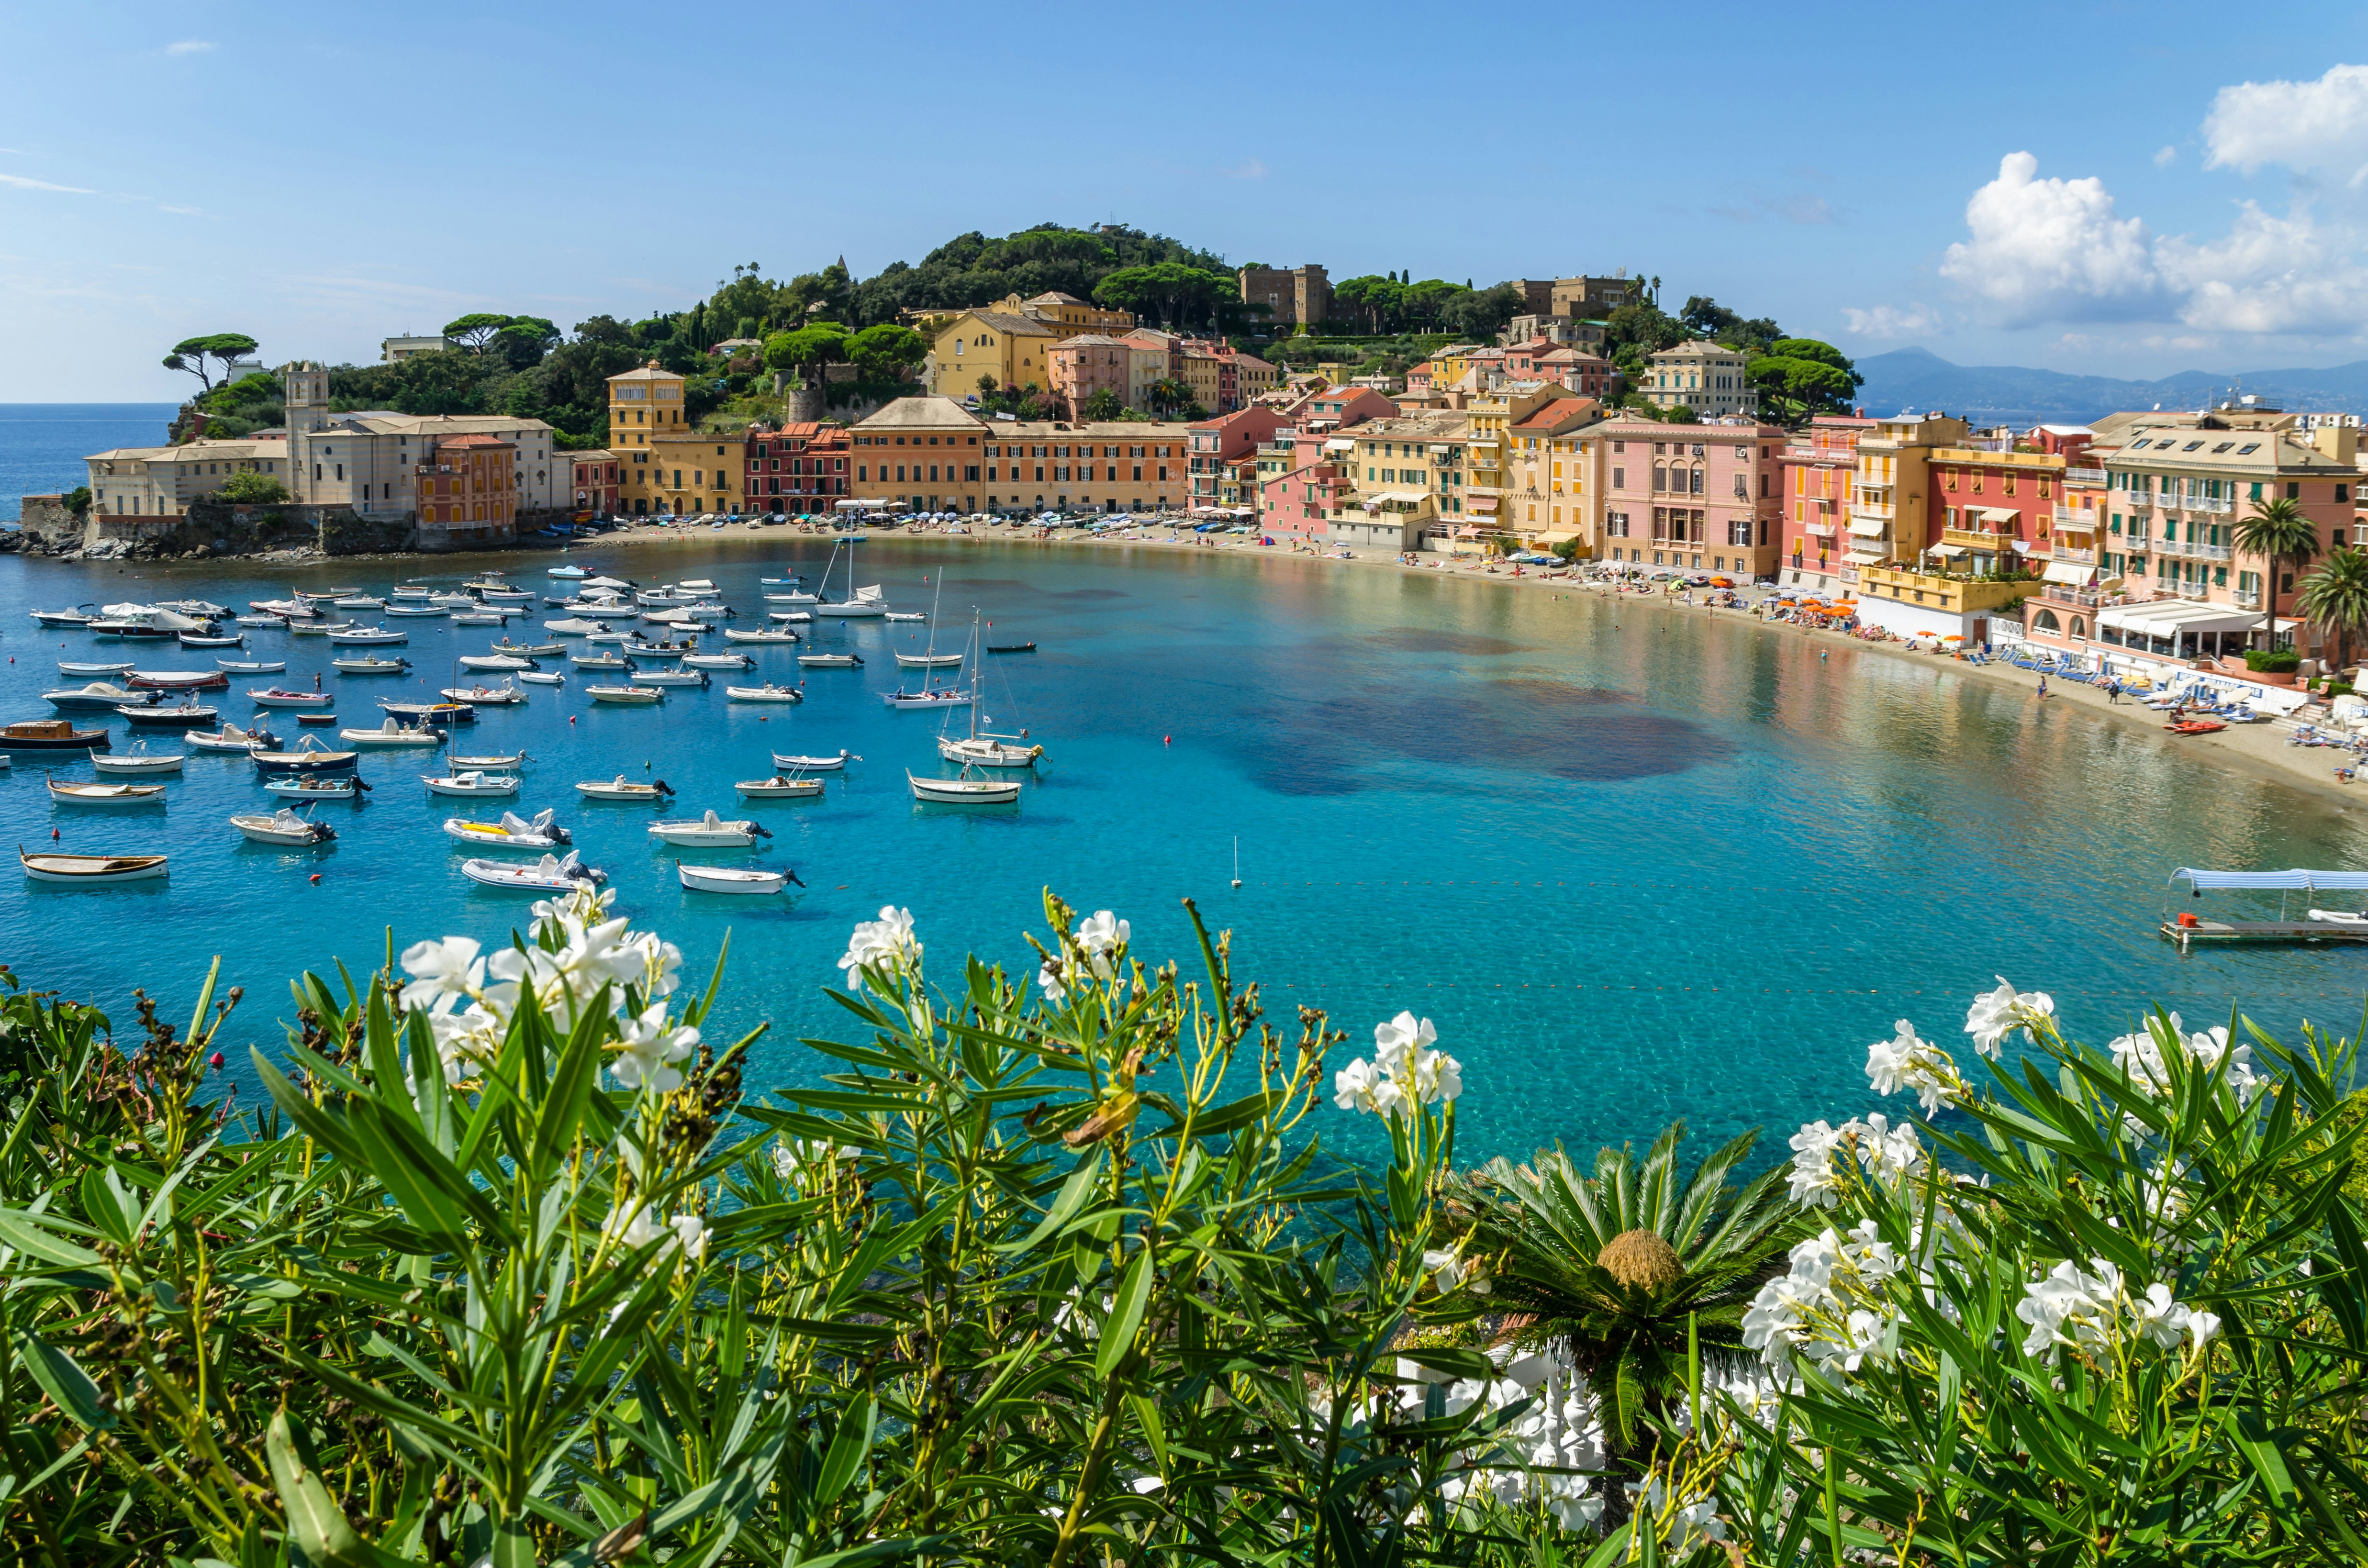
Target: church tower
point(305, 387)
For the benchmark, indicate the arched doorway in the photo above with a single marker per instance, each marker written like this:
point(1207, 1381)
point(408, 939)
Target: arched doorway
point(2044, 621)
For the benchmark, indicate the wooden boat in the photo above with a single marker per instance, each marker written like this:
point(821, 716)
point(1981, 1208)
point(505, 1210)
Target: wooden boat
point(443, 713)
point(153, 715)
point(472, 783)
point(733, 879)
point(513, 834)
point(709, 831)
point(107, 794)
point(393, 733)
point(1011, 647)
point(497, 759)
point(930, 661)
point(313, 787)
point(670, 677)
point(764, 638)
point(97, 697)
point(369, 636)
point(621, 789)
point(310, 756)
point(417, 610)
point(90, 871)
point(529, 649)
point(275, 696)
point(626, 696)
point(496, 661)
point(932, 697)
point(485, 695)
point(780, 788)
point(283, 827)
point(769, 692)
point(546, 875)
point(370, 664)
point(138, 762)
point(718, 662)
point(543, 677)
point(342, 631)
point(814, 764)
point(251, 666)
point(316, 720)
point(962, 792)
point(230, 737)
point(81, 670)
point(177, 680)
point(831, 661)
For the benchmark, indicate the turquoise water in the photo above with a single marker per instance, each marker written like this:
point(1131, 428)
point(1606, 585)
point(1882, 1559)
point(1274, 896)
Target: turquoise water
point(1636, 865)
point(42, 443)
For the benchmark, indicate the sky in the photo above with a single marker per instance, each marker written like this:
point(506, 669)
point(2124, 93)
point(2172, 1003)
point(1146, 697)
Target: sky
point(2113, 190)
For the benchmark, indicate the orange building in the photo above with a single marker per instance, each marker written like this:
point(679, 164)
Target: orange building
point(469, 492)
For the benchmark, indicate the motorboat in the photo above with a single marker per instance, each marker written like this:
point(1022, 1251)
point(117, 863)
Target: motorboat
point(573, 626)
point(963, 791)
point(529, 649)
point(51, 735)
point(700, 586)
point(85, 670)
point(358, 601)
point(444, 713)
point(230, 738)
point(283, 827)
point(130, 630)
point(697, 616)
point(316, 720)
point(612, 639)
point(599, 660)
point(309, 756)
point(480, 617)
point(612, 584)
point(393, 734)
point(283, 608)
point(764, 637)
point(177, 680)
point(192, 640)
point(931, 697)
point(502, 696)
point(155, 715)
point(709, 831)
point(513, 833)
point(414, 592)
point(277, 696)
point(2339, 917)
point(718, 662)
point(492, 759)
point(495, 661)
point(139, 762)
point(904, 615)
point(99, 696)
point(793, 597)
point(369, 636)
point(453, 601)
point(91, 870)
point(505, 595)
point(472, 783)
point(61, 617)
point(313, 787)
point(930, 661)
point(625, 696)
point(264, 622)
point(670, 677)
point(370, 664)
point(780, 787)
point(566, 571)
point(790, 764)
point(204, 608)
point(107, 794)
point(251, 666)
point(622, 788)
point(342, 631)
point(543, 677)
point(789, 617)
point(831, 661)
point(733, 879)
point(547, 875)
point(767, 692)
point(417, 611)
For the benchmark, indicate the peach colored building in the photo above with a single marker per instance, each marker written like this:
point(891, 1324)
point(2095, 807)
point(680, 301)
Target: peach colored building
point(1089, 363)
point(1817, 466)
point(470, 489)
point(1695, 497)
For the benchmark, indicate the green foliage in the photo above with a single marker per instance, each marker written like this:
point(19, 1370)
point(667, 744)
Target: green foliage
point(566, 388)
point(1384, 305)
point(1104, 404)
point(249, 488)
point(233, 409)
point(1705, 317)
point(77, 500)
point(887, 353)
point(2272, 661)
point(2278, 532)
point(807, 349)
point(1172, 294)
point(475, 331)
point(973, 269)
point(2336, 596)
point(191, 353)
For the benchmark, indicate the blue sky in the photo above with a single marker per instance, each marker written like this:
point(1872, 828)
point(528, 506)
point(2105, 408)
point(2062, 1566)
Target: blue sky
point(2115, 188)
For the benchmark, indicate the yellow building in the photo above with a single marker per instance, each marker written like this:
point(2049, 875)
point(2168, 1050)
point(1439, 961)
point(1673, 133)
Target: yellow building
point(1065, 312)
point(665, 465)
point(1114, 465)
point(1493, 416)
point(1205, 375)
point(1546, 459)
point(1254, 378)
point(1890, 510)
point(1005, 345)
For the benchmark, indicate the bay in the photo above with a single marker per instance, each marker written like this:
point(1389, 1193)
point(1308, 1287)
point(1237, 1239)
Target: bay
point(1636, 865)
point(42, 443)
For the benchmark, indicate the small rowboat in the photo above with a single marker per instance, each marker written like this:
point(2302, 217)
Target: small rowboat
point(529, 649)
point(230, 737)
point(513, 833)
point(718, 662)
point(503, 595)
point(430, 712)
point(264, 622)
point(962, 792)
point(91, 671)
point(831, 661)
point(472, 783)
point(904, 615)
point(251, 666)
point(1011, 647)
point(780, 788)
point(192, 640)
point(51, 735)
point(137, 762)
point(313, 786)
point(417, 592)
point(546, 875)
point(417, 609)
point(273, 696)
point(928, 661)
point(670, 677)
point(814, 764)
point(316, 720)
point(733, 879)
point(310, 756)
point(90, 871)
point(940, 697)
point(480, 617)
point(764, 638)
point(495, 661)
point(393, 734)
point(177, 680)
point(625, 696)
point(367, 637)
point(710, 831)
point(157, 716)
point(597, 661)
point(107, 794)
point(621, 788)
point(284, 827)
point(789, 617)
point(497, 760)
point(543, 677)
point(370, 664)
point(767, 692)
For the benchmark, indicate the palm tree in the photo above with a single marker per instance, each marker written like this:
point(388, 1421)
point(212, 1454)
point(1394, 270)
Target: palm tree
point(2278, 533)
point(1617, 1269)
point(2336, 596)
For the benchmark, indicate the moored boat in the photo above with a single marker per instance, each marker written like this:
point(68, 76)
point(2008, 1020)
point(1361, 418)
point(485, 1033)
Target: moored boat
point(177, 680)
point(548, 874)
point(502, 696)
point(791, 764)
point(929, 697)
point(625, 696)
point(761, 638)
point(767, 692)
point(91, 870)
point(107, 794)
point(962, 792)
point(369, 636)
point(733, 879)
point(231, 738)
point(708, 831)
point(315, 787)
point(831, 661)
point(930, 661)
point(309, 756)
point(718, 662)
point(50, 734)
point(97, 697)
point(780, 787)
point(85, 670)
point(139, 762)
point(543, 677)
point(472, 783)
point(283, 827)
point(61, 617)
point(495, 661)
point(369, 664)
point(513, 833)
point(251, 666)
point(155, 715)
point(670, 677)
point(393, 733)
point(622, 788)
point(275, 696)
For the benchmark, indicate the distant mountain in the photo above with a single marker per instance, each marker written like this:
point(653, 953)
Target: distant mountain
point(2013, 394)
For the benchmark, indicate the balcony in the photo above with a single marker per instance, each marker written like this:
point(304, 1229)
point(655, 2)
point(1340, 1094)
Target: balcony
point(2217, 506)
point(2244, 600)
point(2067, 552)
point(2085, 522)
point(1977, 539)
point(2133, 543)
point(2086, 599)
point(1948, 595)
point(2095, 476)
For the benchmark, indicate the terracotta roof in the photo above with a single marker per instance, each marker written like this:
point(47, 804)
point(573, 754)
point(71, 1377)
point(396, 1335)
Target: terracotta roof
point(1019, 326)
point(1554, 413)
point(926, 412)
point(649, 373)
point(472, 441)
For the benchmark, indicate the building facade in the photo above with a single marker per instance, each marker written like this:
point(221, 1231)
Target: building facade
point(1703, 376)
point(394, 350)
point(1587, 298)
point(802, 467)
point(920, 454)
point(1080, 367)
point(1698, 499)
point(468, 490)
point(1293, 296)
point(690, 474)
point(1118, 465)
point(159, 481)
point(1215, 445)
point(1405, 473)
point(1821, 465)
point(370, 458)
point(1544, 489)
point(975, 345)
point(596, 482)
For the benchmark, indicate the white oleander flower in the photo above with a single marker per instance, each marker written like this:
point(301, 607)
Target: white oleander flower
point(1814, 1181)
point(1906, 1061)
point(795, 1157)
point(1404, 1071)
point(690, 1235)
point(2158, 1317)
point(466, 1037)
point(882, 941)
point(2200, 1328)
point(1997, 1014)
point(438, 969)
point(652, 1048)
point(1101, 934)
point(1050, 979)
point(1360, 1086)
point(1394, 1040)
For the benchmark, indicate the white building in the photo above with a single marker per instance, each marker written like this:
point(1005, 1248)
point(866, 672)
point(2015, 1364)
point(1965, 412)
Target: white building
point(156, 481)
point(393, 350)
point(1703, 376)
point(366, 458)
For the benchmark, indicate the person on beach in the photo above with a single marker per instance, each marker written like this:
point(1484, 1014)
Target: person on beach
point(2042, 686)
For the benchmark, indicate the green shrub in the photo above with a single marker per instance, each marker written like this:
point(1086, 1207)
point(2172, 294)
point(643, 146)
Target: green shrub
point(251, 489)
point(2272, 661)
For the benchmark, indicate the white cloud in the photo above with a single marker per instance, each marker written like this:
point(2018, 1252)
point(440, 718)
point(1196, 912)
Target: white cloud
point(191, 46)
point(2267, 275)
point(1891, 321)
point(18, 182)
point(2052, 249)
point(2166, 156)
point(2303, 125)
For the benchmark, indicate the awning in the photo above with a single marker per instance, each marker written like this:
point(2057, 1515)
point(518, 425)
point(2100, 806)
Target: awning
point(2294, 880)
point(1483, 503)
point(2070, 572)
point(1865, 552)
point(1343, 445)
point(1949, 550)
point(1868, 528)
point(1998, 514)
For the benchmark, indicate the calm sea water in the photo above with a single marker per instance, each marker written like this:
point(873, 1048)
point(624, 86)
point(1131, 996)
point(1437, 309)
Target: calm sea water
point(42, 443)
point(1636, 865)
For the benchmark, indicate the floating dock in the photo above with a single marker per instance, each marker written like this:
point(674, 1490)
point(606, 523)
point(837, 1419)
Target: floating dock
point(2188, 928)
point(2261, 931)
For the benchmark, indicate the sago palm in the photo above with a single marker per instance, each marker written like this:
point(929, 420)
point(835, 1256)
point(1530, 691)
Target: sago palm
point(2278, 532)
point(1614, 1268)
point(2336, 596)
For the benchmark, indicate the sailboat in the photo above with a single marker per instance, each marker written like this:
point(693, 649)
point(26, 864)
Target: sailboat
point(932, 659)
point(984, 749)
point(862, 602)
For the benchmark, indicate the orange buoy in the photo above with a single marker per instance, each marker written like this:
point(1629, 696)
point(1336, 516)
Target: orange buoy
point(316, 877)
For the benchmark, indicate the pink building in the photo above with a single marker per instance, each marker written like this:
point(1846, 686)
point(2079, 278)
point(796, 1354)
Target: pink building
point(1700, 497)
point(1589, 375)
point(1292, 508)
point(1816, 490)
point(1078, 367)
point(1217, 444)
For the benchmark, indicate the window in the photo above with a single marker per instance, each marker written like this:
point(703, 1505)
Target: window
point(2246, 451)
point(2343, 492)
point(2293, 492)
point(2190, 445)
point(2221, 448)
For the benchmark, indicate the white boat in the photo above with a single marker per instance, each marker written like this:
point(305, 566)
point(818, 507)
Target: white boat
point(718, 662)
point(453, 601)
point(264, 622)
point(284, 609)
point(516, 650)
point(513, 833)
point(566, 571)
point(599, 660)
point(251, 666)
point(277, 696)
point(393, 734)
point(412, 591)
point(179, 680)
point(205, 607)
point(367, 637)
point(780, 787)
point(670, 677)
point(472, 783)
point(855, 608)
point(573, 626)
point(61, 617)
point(344, 631)
point(733, 879)
point(191, 639)
point(765, 639)
point(767, 692)
point(370, 664)
point(313, 787)
point(932, 697)
point(790, 598)
point(634, 647)
point(791, 764)
point(611, 639)
point(701, 617)
point(137, 762)
point(984, 749)
point(417, 611)
point(158, 716)
point(479, 618)
point(962, 792)
point(507, 595)
point(230, 738)
point(310, 756)
point(283, 826)
point(107, 794)
point(543, 677)
point(614, 585)
point(831, 661)
point(503, 696)
point(492, 759)
point(621, 789)
point(546, 875)
point(91, 870)
point(789, 617)
point(697, 585)
point(358, 601)
point(930, 661)
point(81, 670)
point(97, 695)
point(904, 615)
point(625, 696)
point(710, 831)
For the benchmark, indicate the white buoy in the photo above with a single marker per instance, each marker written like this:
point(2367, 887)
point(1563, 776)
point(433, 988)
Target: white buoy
point(1238, 862)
